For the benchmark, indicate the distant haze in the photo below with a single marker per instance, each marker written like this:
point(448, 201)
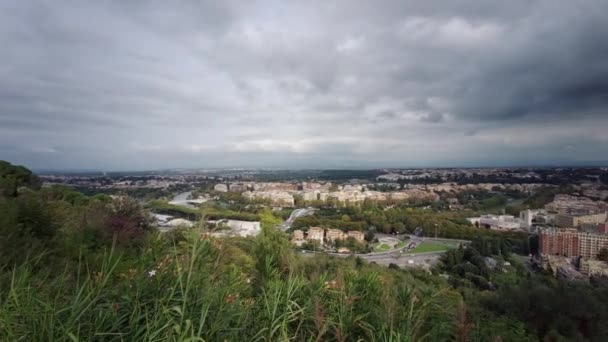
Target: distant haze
point(130, 85)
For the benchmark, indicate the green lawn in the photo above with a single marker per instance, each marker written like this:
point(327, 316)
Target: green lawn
point(425, 247)
point(382, 247)
point(400, 245)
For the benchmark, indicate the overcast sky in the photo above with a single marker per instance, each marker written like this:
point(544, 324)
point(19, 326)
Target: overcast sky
point(171, 84)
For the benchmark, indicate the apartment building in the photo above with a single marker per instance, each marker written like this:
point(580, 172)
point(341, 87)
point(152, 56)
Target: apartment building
point(316, 233)
point(280, 198)
point(221, 187)
point(576, 221)
point(591, 244)
point(566, 204)
point(297, 237)
point(527, 218)
point(563, 242)
point(357, 235)
point(570, 242)
point(335, 234)
point(594, 267)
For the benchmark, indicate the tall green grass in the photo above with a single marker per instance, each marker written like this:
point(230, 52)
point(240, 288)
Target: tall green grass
point(189, 293)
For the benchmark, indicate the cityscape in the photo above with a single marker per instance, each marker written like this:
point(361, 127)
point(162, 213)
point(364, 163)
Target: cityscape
point(566, 232)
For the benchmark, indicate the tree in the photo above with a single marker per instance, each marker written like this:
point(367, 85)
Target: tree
point(370, 235)
point(13, 176)
point(603, 254)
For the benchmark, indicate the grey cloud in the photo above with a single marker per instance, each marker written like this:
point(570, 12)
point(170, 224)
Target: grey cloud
point(432, 117)
point(206, 83)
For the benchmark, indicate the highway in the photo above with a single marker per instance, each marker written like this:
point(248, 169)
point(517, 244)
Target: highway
point(181, 199)
point(400, 256)
point(295, 214)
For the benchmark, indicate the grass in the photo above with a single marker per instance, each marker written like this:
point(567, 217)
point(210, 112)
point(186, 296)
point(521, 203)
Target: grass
point(426, 247)
point(193, 296)
point(382, 247)
point(401, 245)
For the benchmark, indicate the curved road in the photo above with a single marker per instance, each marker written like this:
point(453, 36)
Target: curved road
point(295, 214)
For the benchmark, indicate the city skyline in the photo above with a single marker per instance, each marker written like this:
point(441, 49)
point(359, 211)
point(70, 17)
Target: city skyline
point(123, 86)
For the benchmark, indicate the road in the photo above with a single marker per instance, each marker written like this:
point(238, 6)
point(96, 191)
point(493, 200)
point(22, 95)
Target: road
point(181, 199)
point(394, 257)
point(295, 214)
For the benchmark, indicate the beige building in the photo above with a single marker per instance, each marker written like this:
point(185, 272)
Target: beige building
point(310, 195)
point(576, 221)
point(237, 187)
point(594, 267)
point(590, 244)
point(221, 187)
point(357, 235)
point(297, 237)
point(280, 198)
point(335, 234)
point(316, 233)
point(571, 242)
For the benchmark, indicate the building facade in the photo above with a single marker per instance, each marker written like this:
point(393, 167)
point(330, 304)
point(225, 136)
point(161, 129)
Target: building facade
point(335, 234)
point(316, 233)
point(357, 235)
point(576, 221)
point(570, 243)
point(563, 242)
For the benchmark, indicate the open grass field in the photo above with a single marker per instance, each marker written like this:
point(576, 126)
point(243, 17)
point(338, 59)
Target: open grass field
point(382, 247)
point(425, 247)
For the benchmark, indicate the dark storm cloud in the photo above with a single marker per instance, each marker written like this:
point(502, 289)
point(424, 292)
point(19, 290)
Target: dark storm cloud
point(550, 68)
point(121, 84)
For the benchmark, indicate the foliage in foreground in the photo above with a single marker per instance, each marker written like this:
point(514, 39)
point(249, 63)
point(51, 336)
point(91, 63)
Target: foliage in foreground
point(201, 289)
point(78, 268)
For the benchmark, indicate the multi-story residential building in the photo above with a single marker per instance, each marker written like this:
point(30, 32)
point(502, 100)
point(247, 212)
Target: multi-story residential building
point(280, 198)
point(347, 196)
point(591, 244)
point(564, 242)
point(571, 204)
point(571, 242)
point(593, 267)
point(528, 218)
point(220, 187)
point(275, 186)
point(316, 233)
point(315, 186)
point(375, 195)
point(310, 195)
point(335, 234)
point(576, 221)
point(237, 187)
point(323, 196)
point(357, 235)
point(297, 237)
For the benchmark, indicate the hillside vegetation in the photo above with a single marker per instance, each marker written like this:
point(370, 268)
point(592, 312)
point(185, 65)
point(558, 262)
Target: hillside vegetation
point(81, 268)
